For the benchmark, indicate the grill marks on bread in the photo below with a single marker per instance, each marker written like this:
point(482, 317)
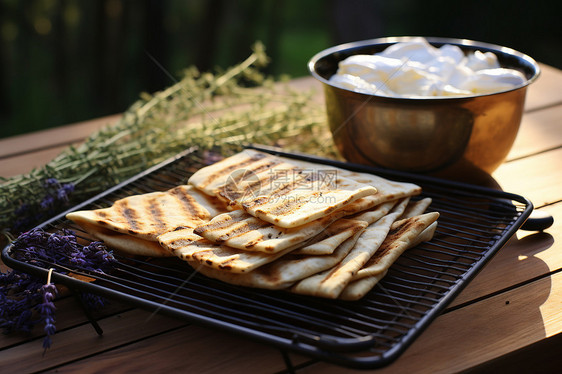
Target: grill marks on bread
point(241, 230)
point(189, 205)
point(202, 253)
point(252, 179)
point(149, 215)
point(401, 236)
point(307, 228)
point(278, 190)
point(136, 219)
point(226, 168)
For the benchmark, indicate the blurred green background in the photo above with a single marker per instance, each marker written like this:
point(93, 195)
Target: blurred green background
point(63, 61)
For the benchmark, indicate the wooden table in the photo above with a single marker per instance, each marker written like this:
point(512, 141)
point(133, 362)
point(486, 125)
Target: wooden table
point(509, 317)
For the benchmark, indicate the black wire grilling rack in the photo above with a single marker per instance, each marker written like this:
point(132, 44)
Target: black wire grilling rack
point(474, 224)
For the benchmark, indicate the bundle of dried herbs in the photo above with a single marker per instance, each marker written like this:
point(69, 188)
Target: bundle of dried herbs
point(219, 111)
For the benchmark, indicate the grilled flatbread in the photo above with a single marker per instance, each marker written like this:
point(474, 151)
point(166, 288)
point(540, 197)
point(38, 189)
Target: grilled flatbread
point(241, 230)
point(331, 282)
point(128, 244)
point(146, 216)
point(368, 277)
point(290, 268)
point(283, 272)
point(357, 289)
point(387, 190)
point(416, 208)
point(328, 240)
point(426, 235)
point(276, 190)
point(245, 231)
point(403, 234)
point(244, 165)
point(191, 247)
point(367, 218)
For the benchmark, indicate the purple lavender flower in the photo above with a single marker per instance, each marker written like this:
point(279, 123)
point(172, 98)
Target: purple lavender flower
point(47, 311)
point(47, 203)
point(23, 209)
point(78, 259)
point(23, 220)
point(93, 302)
point(55, 197)
point(20, 293)
point(64, 191)
point(50, 182)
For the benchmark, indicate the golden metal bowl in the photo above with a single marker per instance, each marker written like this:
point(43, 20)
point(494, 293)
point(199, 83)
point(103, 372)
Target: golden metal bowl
point(442, 136)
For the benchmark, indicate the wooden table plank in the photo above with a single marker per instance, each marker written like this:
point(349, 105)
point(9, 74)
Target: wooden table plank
point(540, 131)
point(546, 90)
point(480, 332)
point(526, 256)
point(54, 137)
point(82, 341)
point(538, 178)
point(26, 162)
point(69, 314)
point(190, 349)
point(21, 154)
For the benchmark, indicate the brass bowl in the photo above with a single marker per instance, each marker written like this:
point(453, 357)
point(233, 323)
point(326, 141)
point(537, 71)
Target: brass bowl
point(442, 136)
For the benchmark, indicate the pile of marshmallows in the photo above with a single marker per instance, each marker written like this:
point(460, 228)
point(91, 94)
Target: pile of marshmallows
point(417, 69)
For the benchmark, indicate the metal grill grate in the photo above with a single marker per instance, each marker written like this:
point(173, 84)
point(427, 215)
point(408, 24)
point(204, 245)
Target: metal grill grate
point(474, 224)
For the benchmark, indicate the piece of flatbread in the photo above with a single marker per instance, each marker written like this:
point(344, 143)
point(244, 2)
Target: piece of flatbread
point(276, 190)
point(364, 281)
point(240, 168)
point(357, 289)
point(191, 247)
point(368, 218)
point(387, 189)
point(241, 230)
point(290, 268)
point(416, 208)
point(128, 244)
point(197, 250)
point(283, 272)
point(331, 282)
point(328, 240)
point(146, 216)
point(426, 235)
point(403, 234)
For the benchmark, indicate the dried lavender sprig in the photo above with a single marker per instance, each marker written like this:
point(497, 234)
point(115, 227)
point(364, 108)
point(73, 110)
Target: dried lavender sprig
point(47, 311)
point(24, 299)
point(56, 197)
point(18, 295)
point(44, 249)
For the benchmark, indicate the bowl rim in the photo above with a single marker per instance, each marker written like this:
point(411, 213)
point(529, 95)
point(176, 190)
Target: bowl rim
point(430, 39)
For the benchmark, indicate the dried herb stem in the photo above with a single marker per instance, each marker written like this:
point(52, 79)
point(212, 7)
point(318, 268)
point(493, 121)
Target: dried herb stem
point(221, 111)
